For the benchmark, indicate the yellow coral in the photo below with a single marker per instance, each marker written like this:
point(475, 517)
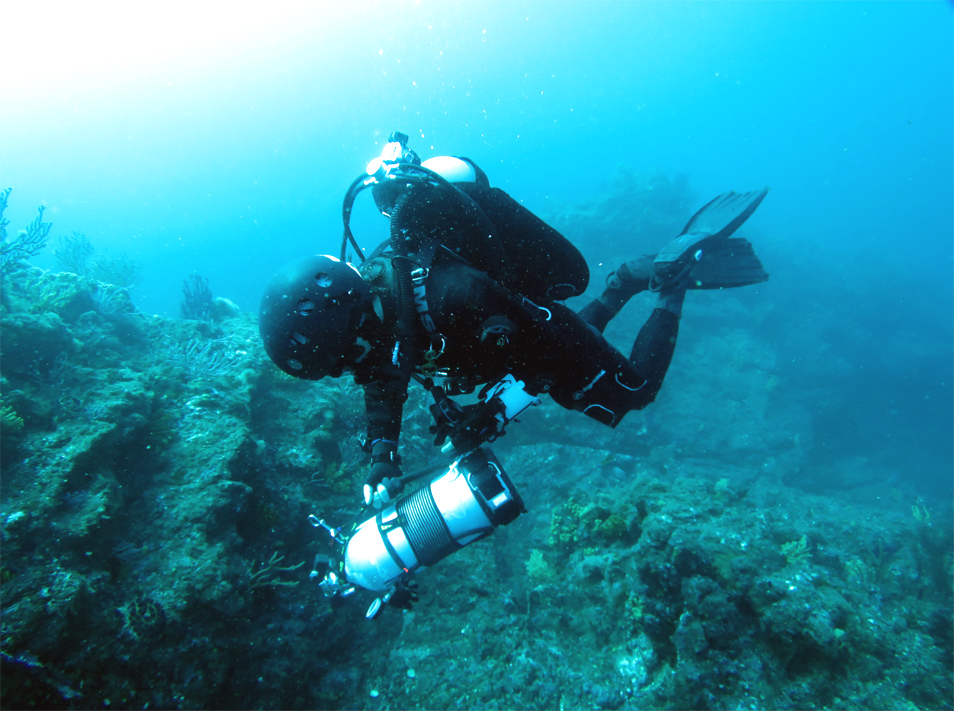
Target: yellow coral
point(856, 571)
point(538, 570)
point(9, 420)
point(920, 512)
point(797, 552)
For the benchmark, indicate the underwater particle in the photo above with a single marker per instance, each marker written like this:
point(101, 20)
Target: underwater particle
point(374, 693)
point(15, 516)
point(411, 673)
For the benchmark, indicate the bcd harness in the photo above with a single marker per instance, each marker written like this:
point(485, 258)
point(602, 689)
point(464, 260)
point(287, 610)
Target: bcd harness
point(465, 426)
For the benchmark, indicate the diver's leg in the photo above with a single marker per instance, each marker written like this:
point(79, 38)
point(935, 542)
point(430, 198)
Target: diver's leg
point(627, 281)
point(656, 341)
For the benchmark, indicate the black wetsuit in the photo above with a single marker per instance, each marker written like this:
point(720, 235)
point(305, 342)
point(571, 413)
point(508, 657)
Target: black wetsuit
point(489, 330)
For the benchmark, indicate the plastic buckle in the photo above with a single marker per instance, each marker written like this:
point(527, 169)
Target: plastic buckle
point(429, 367)
point(437, 352)
point(540, 308)
point(419, 275)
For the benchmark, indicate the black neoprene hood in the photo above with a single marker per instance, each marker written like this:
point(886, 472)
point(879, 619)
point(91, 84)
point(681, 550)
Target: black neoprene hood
point(309, 316)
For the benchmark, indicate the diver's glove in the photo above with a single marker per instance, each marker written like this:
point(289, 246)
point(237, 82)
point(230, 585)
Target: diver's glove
point(461, 427)
point(384, 480)
point(404, 596)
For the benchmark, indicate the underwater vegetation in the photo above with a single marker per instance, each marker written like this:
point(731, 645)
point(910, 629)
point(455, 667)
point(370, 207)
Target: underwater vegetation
point(27, 243)
point(75, 254)
point(157, 477)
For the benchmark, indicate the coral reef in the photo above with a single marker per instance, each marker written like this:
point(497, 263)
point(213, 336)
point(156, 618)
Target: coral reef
point(157, 480)
point(700, 609)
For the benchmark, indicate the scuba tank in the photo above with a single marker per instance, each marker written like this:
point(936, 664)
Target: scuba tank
point(464, 504)
point(482, 225)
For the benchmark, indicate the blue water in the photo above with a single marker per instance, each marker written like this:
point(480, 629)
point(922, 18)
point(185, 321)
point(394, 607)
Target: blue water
point(199, 140)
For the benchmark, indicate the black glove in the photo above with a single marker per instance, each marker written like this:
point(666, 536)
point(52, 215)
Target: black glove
point(467, 426)
point(447, 416)
point(384, 480)
point(405, 596)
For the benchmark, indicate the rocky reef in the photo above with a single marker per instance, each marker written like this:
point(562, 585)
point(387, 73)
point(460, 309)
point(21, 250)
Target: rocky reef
point(158, 474)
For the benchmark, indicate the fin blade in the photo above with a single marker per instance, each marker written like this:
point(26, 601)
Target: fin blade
point(727, 264)
point(716, 221)
point(724, 214)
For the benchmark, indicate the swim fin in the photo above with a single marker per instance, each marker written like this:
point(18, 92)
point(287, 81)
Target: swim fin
point(712, 224)
point(727, 264)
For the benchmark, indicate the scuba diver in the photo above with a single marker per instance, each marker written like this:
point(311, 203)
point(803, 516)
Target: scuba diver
point(469, 288)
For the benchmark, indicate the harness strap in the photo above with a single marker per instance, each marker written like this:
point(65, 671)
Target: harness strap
point(438, 342)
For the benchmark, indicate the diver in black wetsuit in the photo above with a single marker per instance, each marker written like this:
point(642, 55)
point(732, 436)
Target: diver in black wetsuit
point(485, 278)
point(470, 287)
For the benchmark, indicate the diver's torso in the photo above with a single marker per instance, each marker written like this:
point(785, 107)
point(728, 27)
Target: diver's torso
point(469, 326)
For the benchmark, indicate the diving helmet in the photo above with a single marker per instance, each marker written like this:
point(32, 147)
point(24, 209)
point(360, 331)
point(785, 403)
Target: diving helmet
point(310, 315)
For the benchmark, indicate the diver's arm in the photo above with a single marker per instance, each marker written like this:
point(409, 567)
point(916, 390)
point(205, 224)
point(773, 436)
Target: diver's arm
point(384, 403)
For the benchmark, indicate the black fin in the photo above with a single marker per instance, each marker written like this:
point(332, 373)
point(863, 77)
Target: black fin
point(725, 214)
point(713, 223)
point(727, 264)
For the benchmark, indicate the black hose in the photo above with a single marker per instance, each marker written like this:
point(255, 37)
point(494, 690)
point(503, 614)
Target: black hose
point(357, 185)
point(425, 176)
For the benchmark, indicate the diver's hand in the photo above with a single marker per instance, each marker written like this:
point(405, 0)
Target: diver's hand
point(380, 495)
point(405, 596)
point(384, 480)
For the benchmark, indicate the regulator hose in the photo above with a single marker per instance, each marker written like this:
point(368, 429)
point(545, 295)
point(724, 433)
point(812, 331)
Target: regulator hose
point(401, 263)
point(357, 185)
point(411, 174)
